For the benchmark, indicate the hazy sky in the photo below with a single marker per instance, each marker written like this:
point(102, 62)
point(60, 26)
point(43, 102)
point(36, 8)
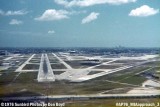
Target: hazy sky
point(79, 23)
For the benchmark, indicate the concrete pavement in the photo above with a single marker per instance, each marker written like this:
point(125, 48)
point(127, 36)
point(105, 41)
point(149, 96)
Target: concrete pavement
point(45, 73)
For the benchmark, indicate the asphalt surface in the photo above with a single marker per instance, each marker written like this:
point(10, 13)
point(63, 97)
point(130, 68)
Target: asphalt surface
point(45, 73)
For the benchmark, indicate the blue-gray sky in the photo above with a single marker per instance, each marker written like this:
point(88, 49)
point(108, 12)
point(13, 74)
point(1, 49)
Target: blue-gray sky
point(79, 23)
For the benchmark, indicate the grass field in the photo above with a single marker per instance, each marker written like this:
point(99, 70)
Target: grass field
point(94, 72)
point(58, 66)
point(7, 77)
point(127, 74)
point(28, 82)
point(58, 72)
point(77, 64)
point(107, 66)
point(34, 61)
point(30, 67)
point(54, 61)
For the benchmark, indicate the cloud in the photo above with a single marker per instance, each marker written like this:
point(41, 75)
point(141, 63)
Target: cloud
point(51, 32)
point(1, 12)
point(52, 14)
point(77, 12)
point(92, 16)
point(19, 12)
point(13, 13)
point(85, 3)
point(15, 22)
point(143, 11)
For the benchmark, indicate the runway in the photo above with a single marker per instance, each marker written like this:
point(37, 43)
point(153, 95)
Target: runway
point(45, 73)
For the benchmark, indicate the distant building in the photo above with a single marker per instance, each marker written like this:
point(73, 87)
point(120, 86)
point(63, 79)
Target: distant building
point(4, 52)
